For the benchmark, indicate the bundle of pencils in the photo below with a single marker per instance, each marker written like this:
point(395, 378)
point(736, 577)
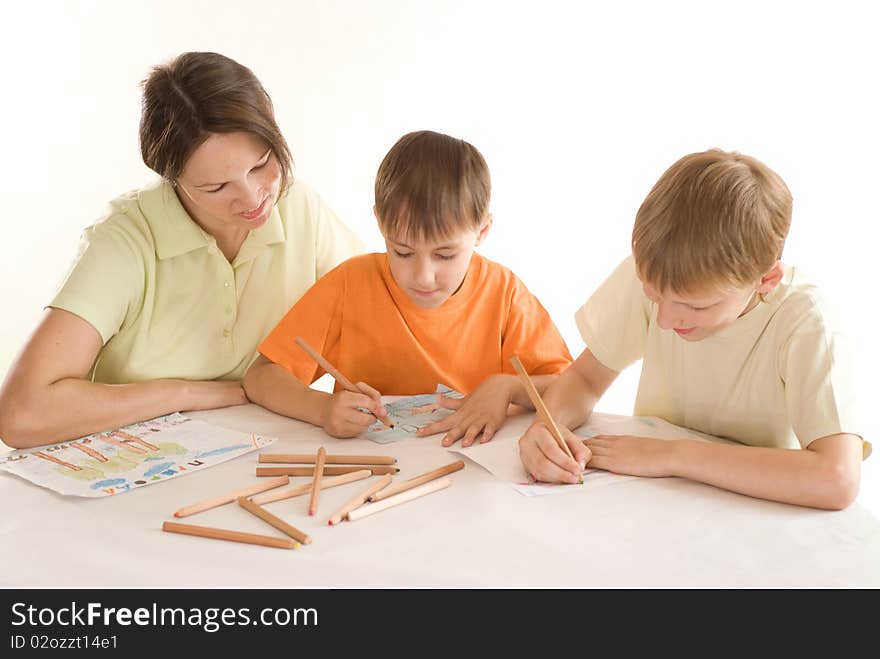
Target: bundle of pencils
point(303, 464)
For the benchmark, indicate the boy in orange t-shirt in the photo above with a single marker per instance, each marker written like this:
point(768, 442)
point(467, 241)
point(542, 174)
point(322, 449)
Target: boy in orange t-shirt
point(429, 311)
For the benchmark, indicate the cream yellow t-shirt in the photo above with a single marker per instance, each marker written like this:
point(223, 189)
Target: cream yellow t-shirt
point(166, 301)
point(777, 377)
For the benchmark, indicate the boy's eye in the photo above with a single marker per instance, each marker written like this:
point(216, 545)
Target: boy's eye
point(446, 257)
point(222, 185)
point(403, 255)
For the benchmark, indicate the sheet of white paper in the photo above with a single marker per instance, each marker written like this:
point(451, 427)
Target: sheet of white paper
point(500, 457)
point(409, 413)
point(141, 454)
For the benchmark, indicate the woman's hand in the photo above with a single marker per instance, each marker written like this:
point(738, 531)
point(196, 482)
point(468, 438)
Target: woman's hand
point(209, 395)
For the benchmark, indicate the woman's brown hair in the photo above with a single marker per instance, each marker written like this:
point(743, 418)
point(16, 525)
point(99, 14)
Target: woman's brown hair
point(195, 95)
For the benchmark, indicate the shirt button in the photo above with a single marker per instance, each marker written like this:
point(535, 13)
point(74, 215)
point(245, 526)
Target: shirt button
point(228, 309)
point(226, 333)
point(226, 284)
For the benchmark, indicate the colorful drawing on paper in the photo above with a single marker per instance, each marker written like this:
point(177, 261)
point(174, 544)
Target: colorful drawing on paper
point(141, 454)
point(409, 414)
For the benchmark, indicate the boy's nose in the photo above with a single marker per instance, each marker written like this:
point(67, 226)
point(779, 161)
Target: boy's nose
point(665, 319)
point(424, 275)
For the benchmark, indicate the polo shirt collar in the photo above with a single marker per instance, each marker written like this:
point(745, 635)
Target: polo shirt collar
point(258, 239)
point(175, 233)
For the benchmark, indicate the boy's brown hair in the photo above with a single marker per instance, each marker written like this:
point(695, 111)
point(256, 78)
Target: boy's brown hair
point(429, 186)
point(715, 219)
point(197, 94)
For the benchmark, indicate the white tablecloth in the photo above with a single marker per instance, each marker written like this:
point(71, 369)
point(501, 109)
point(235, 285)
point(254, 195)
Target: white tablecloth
point(478, 533)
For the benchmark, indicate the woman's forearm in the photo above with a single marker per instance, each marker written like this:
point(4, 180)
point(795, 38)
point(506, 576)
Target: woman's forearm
point(71, 408)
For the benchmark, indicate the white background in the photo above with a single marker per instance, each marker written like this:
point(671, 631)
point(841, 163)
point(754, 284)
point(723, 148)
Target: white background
point(578, 108)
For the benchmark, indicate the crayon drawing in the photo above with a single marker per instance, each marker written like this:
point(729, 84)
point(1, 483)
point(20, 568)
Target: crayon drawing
point(409, 414)
point(113, 462)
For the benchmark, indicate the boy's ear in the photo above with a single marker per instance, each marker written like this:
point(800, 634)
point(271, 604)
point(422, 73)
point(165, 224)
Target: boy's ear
point(771, 278)
point(484, 228)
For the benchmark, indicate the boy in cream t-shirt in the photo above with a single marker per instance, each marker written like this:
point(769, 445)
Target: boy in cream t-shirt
point(734, 343)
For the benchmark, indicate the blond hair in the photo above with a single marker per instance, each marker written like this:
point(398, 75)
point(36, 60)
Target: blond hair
point(431, 185)
point(715, 219)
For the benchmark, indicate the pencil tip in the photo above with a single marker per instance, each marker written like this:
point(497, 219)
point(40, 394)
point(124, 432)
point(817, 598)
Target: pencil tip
point(330, 522)
point(177, 514)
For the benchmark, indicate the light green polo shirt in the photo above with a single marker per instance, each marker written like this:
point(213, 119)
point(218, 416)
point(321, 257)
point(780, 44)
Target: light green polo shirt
point(166, 301)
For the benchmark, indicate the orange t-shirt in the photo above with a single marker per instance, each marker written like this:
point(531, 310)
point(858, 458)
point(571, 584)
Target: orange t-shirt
point(368, 328)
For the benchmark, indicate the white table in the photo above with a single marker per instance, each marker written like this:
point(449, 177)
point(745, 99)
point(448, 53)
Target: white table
point(478, 533)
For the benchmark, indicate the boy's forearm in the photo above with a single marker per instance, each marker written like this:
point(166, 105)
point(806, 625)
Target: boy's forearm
point(569, 399)
point(518, 393)
point(797, 476)
point(278, 390)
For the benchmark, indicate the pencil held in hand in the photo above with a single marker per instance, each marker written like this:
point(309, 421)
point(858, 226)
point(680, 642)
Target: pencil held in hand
point(541, 408)
point(346, 384)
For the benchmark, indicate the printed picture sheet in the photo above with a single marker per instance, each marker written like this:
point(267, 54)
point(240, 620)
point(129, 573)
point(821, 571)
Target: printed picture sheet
point(408, 414)
point(108, 463)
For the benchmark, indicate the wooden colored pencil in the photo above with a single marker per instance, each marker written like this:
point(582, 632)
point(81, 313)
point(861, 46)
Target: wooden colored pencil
point(135, 438)
point(409, 484)
point(334, 373)
point(328, 471)
point(233, 536)
point(359, 500)
point(277, 522)
point(540, 407)
point(229, 497)
point(397, 499)
point(40, 454)
point(305, 488)
point(89, 451)
point(317, 475)
point(309, 458)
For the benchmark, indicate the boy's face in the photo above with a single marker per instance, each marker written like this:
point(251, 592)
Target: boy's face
point(696, 317)
point(430, 272)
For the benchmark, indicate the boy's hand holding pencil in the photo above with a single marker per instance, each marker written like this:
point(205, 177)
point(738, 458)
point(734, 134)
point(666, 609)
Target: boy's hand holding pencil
point(347, 414)
point(353, 409)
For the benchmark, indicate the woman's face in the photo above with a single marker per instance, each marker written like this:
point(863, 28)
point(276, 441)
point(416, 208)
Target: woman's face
point(231, 181)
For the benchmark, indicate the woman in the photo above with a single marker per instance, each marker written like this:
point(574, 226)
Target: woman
point(175, 286)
